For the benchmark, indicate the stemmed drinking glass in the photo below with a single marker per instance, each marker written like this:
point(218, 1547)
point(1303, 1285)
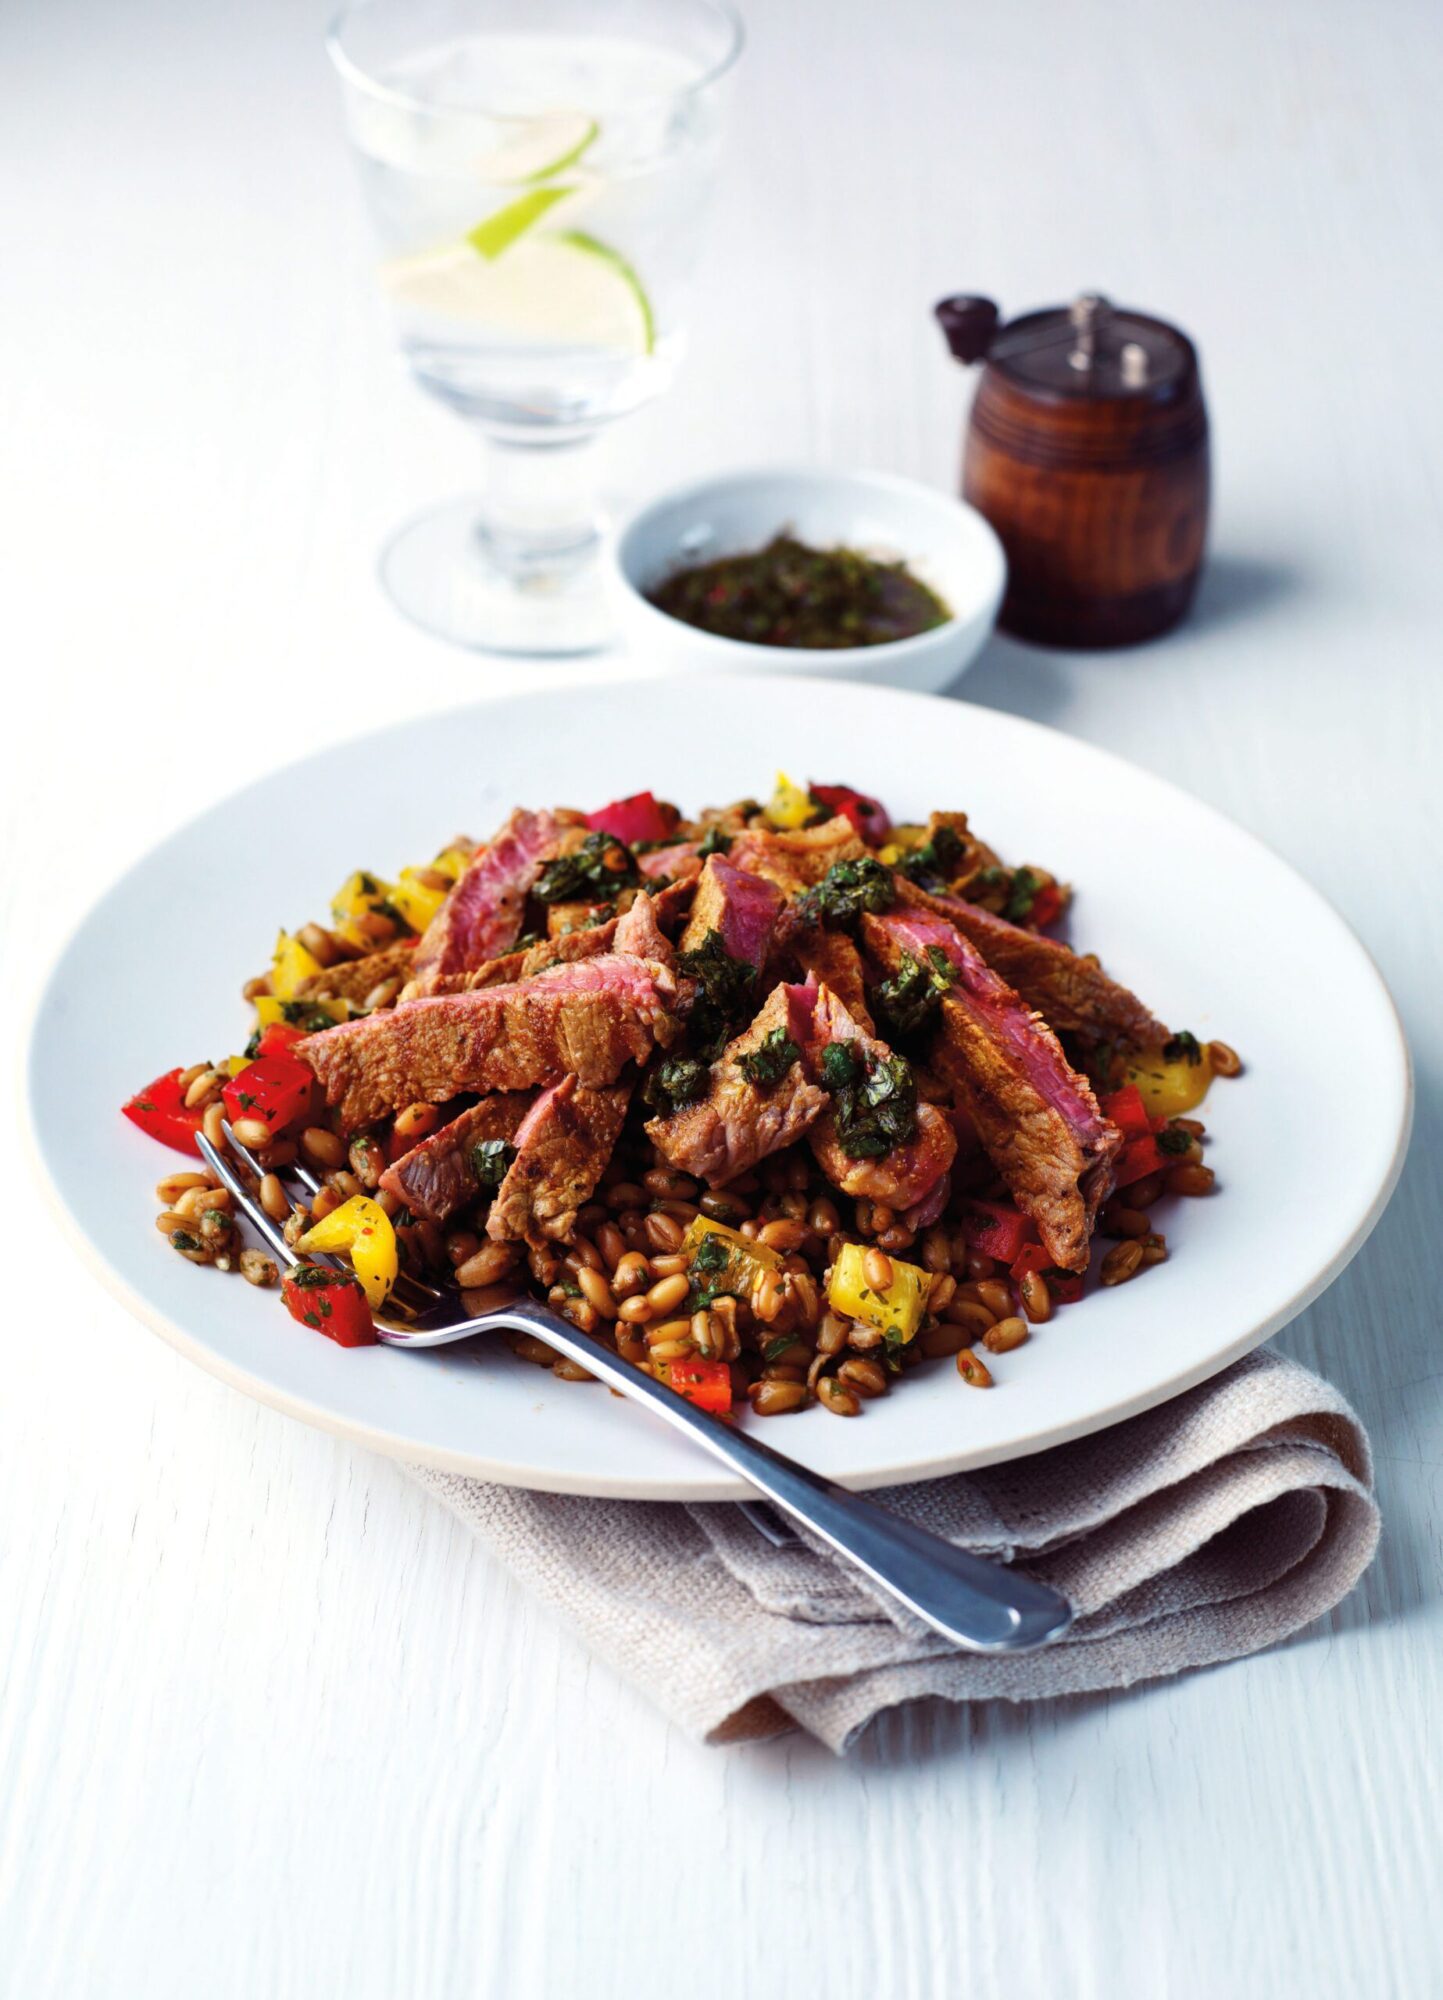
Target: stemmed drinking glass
point(537, 172)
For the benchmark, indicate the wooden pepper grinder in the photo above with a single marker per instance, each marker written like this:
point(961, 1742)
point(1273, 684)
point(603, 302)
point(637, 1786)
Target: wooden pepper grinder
point(1087, 450)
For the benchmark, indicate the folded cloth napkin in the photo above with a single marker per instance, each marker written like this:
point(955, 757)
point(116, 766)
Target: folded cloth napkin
point(1208, 1528)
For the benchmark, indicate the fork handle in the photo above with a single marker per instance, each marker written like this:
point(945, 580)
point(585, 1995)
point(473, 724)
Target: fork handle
point(980, 1605)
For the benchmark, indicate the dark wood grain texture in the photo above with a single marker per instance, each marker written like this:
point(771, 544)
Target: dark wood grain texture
point(1101, 503)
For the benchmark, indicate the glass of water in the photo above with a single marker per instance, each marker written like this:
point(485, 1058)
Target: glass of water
point(538, 173)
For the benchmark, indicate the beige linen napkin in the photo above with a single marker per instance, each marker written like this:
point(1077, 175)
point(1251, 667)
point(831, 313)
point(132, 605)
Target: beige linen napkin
point(1205, 1529)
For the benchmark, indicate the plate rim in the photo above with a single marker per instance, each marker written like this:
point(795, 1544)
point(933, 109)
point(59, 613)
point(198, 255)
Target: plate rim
point(719, 1487)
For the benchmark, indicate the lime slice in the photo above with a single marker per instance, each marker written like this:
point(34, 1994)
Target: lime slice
point(557, 286)
point(544, 146)
point(590, 246)
point(502, 227)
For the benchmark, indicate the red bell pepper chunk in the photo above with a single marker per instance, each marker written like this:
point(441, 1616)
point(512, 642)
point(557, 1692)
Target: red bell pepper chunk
point(1139, 1158)
point(1065, 1286)
point(708, 1384)
point(277, 1038)
point(275, 1088)
point(1128, 1112)
point(632, 820)
point(159, 1110)
point(869, 817)
point(1046, 906)
point(331, 1302)
point(996, 1229)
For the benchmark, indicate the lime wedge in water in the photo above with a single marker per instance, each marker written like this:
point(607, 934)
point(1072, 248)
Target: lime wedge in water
point(559, 286)
point(502, 227)
point(544, 146)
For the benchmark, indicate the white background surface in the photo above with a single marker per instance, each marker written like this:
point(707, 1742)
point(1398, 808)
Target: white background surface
point(269, 1725)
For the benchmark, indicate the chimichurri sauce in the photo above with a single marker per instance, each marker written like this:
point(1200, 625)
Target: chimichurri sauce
point(788, 594)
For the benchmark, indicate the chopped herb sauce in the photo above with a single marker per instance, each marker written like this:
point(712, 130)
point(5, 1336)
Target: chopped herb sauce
point(768, 1064)
point(907, 1001)
point(789, 594)
point(676, 1081)
point(491, 1161)
point(874, 1097)
point(848, 888)
point(599, 867)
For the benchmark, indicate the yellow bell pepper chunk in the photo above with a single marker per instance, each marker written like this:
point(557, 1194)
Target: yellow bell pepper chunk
point(271, 1008)
point(233, 1065)
point(453, 861)
point(362, 1228)
point(358, 897)
point(895, 1312)
point(1170, 1088)
point(790, 805)
point(416, 901)
point(291, 964)
point(723, 1260)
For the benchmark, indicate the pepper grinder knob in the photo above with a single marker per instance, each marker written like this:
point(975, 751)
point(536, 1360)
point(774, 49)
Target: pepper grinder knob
point(1087, 314)
point(968, 323)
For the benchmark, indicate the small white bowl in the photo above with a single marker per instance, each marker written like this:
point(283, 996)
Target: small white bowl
point(944, 542)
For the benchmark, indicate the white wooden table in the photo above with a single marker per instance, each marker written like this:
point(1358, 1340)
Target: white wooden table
point(269, 1724)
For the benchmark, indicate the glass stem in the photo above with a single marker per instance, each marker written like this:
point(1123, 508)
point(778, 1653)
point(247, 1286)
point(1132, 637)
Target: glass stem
point(539, 515)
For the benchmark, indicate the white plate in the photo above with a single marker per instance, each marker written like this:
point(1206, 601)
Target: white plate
point(1214, 932)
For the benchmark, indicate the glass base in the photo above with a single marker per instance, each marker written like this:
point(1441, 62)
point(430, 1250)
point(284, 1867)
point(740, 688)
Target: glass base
point(451, 575)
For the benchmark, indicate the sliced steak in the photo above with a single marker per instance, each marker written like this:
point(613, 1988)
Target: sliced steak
point(1071, 994)
point(588, 1020)
point(1037, 1118)
point(830, 958)
point(562, 1147)
point(638, 932)
point(680, 862)
point(742, 908)
point(911, 1171)
point(796, 861)
point(438, 1177)
point(481, 918)
point(354, 978)
point(667, 907)
point(738, 1123)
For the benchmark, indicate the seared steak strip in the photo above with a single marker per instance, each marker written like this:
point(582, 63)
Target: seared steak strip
point(741, 908)
point(910, 1170)
point(588, 1020)
point(795, 861)
point(562, 1147)
point(1072, 995)
point(354, 978)
point(481, 918)
point(1037, 1118)
point(739, 1122)
point(666, 907)
point(830, 958)
point(440, 1176)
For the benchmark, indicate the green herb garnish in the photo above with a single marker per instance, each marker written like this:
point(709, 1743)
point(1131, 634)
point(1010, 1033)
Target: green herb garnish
point(769, 1063)
point(1021, 896)
point(491, 1161)
point(874, 1096)
point(934, 863)
point(1182, 1047)
point(1171, 1140)
point(717, 841)
point(676, 1081)
point(845, 891)
point(711, 1255)
point(907, 1001)
point(599, 867)
point(727, 987)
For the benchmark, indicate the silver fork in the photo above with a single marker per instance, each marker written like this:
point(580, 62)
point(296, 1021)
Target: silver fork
point(977, 1604)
